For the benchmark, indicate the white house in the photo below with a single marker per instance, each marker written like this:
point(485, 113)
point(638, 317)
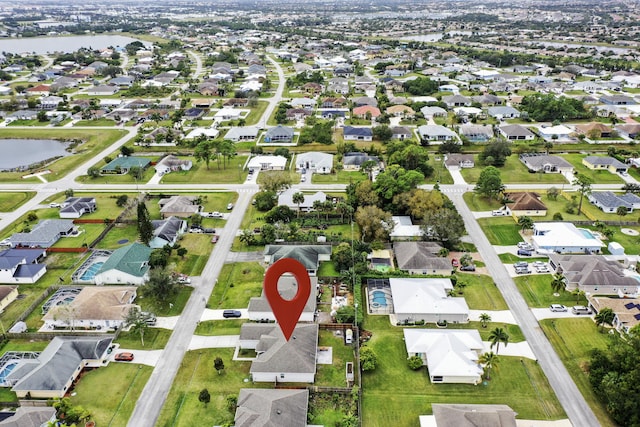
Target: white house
point(564, 237)
point(172, 163)
point(260, 309)
point(286, 199)
point(227, 114)
point(428, 300)
point(558, 133)
point(316, 162)
point(404, 229)
point(450, 355)
point(22, 265)
point(266, 163)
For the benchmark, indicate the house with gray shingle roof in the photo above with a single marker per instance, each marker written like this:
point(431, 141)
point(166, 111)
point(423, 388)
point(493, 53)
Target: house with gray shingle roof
point(545, 163)
point(279, 360)
point(503, 112)
point(22, 265)
point(167, 231)
point(436, 133)
point(75, 207)
point(180, 206)
point(421, 258)
point(605, 163)
point(279, 134)
point(472, 415)
point(44, 234)
point(126, 265)
point(354, 160)
point(609, 202)
point(286, 199)
point(265, 407)
point(315, 161)
point(57, 367)
point(260, 309)
point(25, 416)
point(517, 133)
point(309, 255)
point(352, 133)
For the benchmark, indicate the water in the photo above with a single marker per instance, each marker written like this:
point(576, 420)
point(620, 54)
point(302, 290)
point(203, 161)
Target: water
point(380, 298)
point(20, 153)
point(90, 272)
point(6, 371)
point(42, 45)
point(587, 233)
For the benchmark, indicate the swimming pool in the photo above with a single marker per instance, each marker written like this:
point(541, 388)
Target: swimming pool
point(586, 233)
point(379, 299)
point(6, 370)
point(90, 272)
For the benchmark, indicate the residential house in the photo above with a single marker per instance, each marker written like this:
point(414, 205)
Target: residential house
point(609, 202)
point(594, 130)
point(563, 238)
point(457, 161)
point(126, 81)
point(352, 133)
point(594, 275)
point(271, 407)
point(297, 113)
point(39, 90)
point(525, 203)
point(25, 416)
point(167, 232)
point(545, 163)
point(22, 265)
point(50, 102)
point(122, 165)
point(267, 163)
point(451, 356)
point(456, 101)
point(172, 163)
point(503, 112)
point(427, 300)
point(44, 234)
point(279, 360)
point(227, 114)
point(286, 199)
point(433, 111)
point(617, 100)
point(516, 133)
point(312, 88)
point(179, 206)
point(354, 160)
point(55, 370)
point(421, 258)
point(628, 130)
point(210, 89)
point(555, 133)
point(471, 415)
point(605, 163)
point(626, 311)
point(488, 99)
point(260, 310)
point(366, 111)
point(8, 294)
point(365, 100)
point(333, 103)
point(103, 90)
point(279, 134)
point(75, 207)
point(476, 133)
point(401, 133)
point(306, 103)
point(315, 161)
point(308, 255)
point(403, 229)
point(436, 133)
point(401, 111)
point(236, 102)
point(100, 308)
point(126, 265)
point(238, 134)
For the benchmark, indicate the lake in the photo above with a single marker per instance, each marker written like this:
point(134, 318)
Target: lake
point(20, 153)
point(42, 45)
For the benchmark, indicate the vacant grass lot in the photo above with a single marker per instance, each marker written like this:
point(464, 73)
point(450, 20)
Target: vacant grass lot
point(395, 395)
point(536, 290)
point(199, 248)
point(219, 327)
point(96, 140)
point(218, 173)
point(598, 176)
point(573, 339)
point(514, 172)
point(9, 202)
point(502, 231)
point(173, 309)
point(481, 292)
point(341, 177)
point(110, 393)
point(237, 283)
point(154, 339)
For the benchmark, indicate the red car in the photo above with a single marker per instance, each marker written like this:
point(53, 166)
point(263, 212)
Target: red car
point(215, 238)
point(455, 263)
point(124, 357)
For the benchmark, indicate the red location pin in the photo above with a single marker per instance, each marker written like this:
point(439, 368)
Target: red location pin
point(287, 312)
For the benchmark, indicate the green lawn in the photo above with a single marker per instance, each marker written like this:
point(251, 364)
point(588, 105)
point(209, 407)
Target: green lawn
point(119, 233)
point(395, 395)
point(217, 173)
point(598, 176)
point(334, 375)
point(95, 140)
point(166, 310)
point(537, 292)
point(440, 172)
point(199, 248)
point(219, 327)
point(501, 231)
point(95, 122)
point(327, 269)
point(479, 203)
point(117, 178)
point(256, 113)
point(514, 172)
point(481, 292)
point(110, 393)
point(154, 339)
point(341, 177)
point(573, 339)
point(9, 202)
point(237, 283)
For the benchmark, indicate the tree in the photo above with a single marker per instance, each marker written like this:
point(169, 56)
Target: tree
point(395, 180)
point(122, 200)
point(282, 213)
point(137, 323)
point(162, 286)
point(203, 152)
point(368, 166)
point(275, 181)
point(553, 193)
point(445, 225)
point(218, 364)
point(93, 172)
point(525, 222)
point(605, 316)
point(497, 336)
point(415, 362)
point(42, 116)
point(182, 252)
point(374, 223)
point(68, 192)
point(558, 283)
point(420, 202)
point(583, 183)
point(489, 360)
point(495, 153)
point(298, 199)
point(70, 414)
point(346, 314)
point(382, 133)
point(126, 151)
point(266, 200)
point(145, 228)
point(204, 396)
point(489, 183)
point(622, 211)
point(368, 359)
point(364, 195)
point(484, 319)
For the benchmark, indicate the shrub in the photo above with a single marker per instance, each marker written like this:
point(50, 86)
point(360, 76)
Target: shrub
point(415, 362)
point(368, 359)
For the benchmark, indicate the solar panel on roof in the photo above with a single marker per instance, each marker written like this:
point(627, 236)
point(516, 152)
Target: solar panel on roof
point(637, 317)
point(629, 305)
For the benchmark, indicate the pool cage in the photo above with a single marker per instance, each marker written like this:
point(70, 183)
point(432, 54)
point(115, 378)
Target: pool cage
point(379, 300)
point(81, 275)
point(62, 296)
point(9, 361)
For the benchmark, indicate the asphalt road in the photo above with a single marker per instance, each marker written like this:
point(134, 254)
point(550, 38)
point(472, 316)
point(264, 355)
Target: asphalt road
point(577, 409)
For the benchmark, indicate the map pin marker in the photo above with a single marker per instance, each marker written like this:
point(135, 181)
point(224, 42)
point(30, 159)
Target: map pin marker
point(287, 312)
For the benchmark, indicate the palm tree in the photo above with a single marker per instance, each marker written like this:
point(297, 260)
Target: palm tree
point(558, 283)
point(605, 317)
point(137, 323)
point(497, 336)
point(484, 319)
point(489, 360)
point(298, 198)
point(525, 223)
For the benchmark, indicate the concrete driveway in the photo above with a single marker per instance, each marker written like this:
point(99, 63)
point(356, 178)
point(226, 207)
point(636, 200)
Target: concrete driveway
point(166, 322)
point(500, 316)
point(516, 349)
point(209, 314)
point(219, 341)
point(143, 357)
point(545, 313)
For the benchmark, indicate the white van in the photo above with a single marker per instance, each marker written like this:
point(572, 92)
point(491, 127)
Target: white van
point(348, 336)
point(580, 309)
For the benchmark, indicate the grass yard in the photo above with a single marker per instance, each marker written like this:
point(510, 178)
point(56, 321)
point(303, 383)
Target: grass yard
point(501, 231)
point(24, 345)
point(334, 375)
point(507, 258)
point(110, 393)
point(219, 327)
point(341, 177)
point(237, 283)
point(440, 172)
point(536, 290)
point(119, 233)
point(199, 248)
point(479, 203)
point(573, 339)
point(196, 372)
point(9, 202)
point(166, 310)
point(481, 292)
point(217, 173)
point(514, 172)
point(598, 176)
point(217, 201)
point(256, 113)
point(96, 140)
point(327, 269)
point(154, 339)
point(395, 395)
point(95, 122)
point(117, 178)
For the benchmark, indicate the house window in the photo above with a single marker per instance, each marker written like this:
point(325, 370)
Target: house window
point(436, 379)
point(281, 376)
